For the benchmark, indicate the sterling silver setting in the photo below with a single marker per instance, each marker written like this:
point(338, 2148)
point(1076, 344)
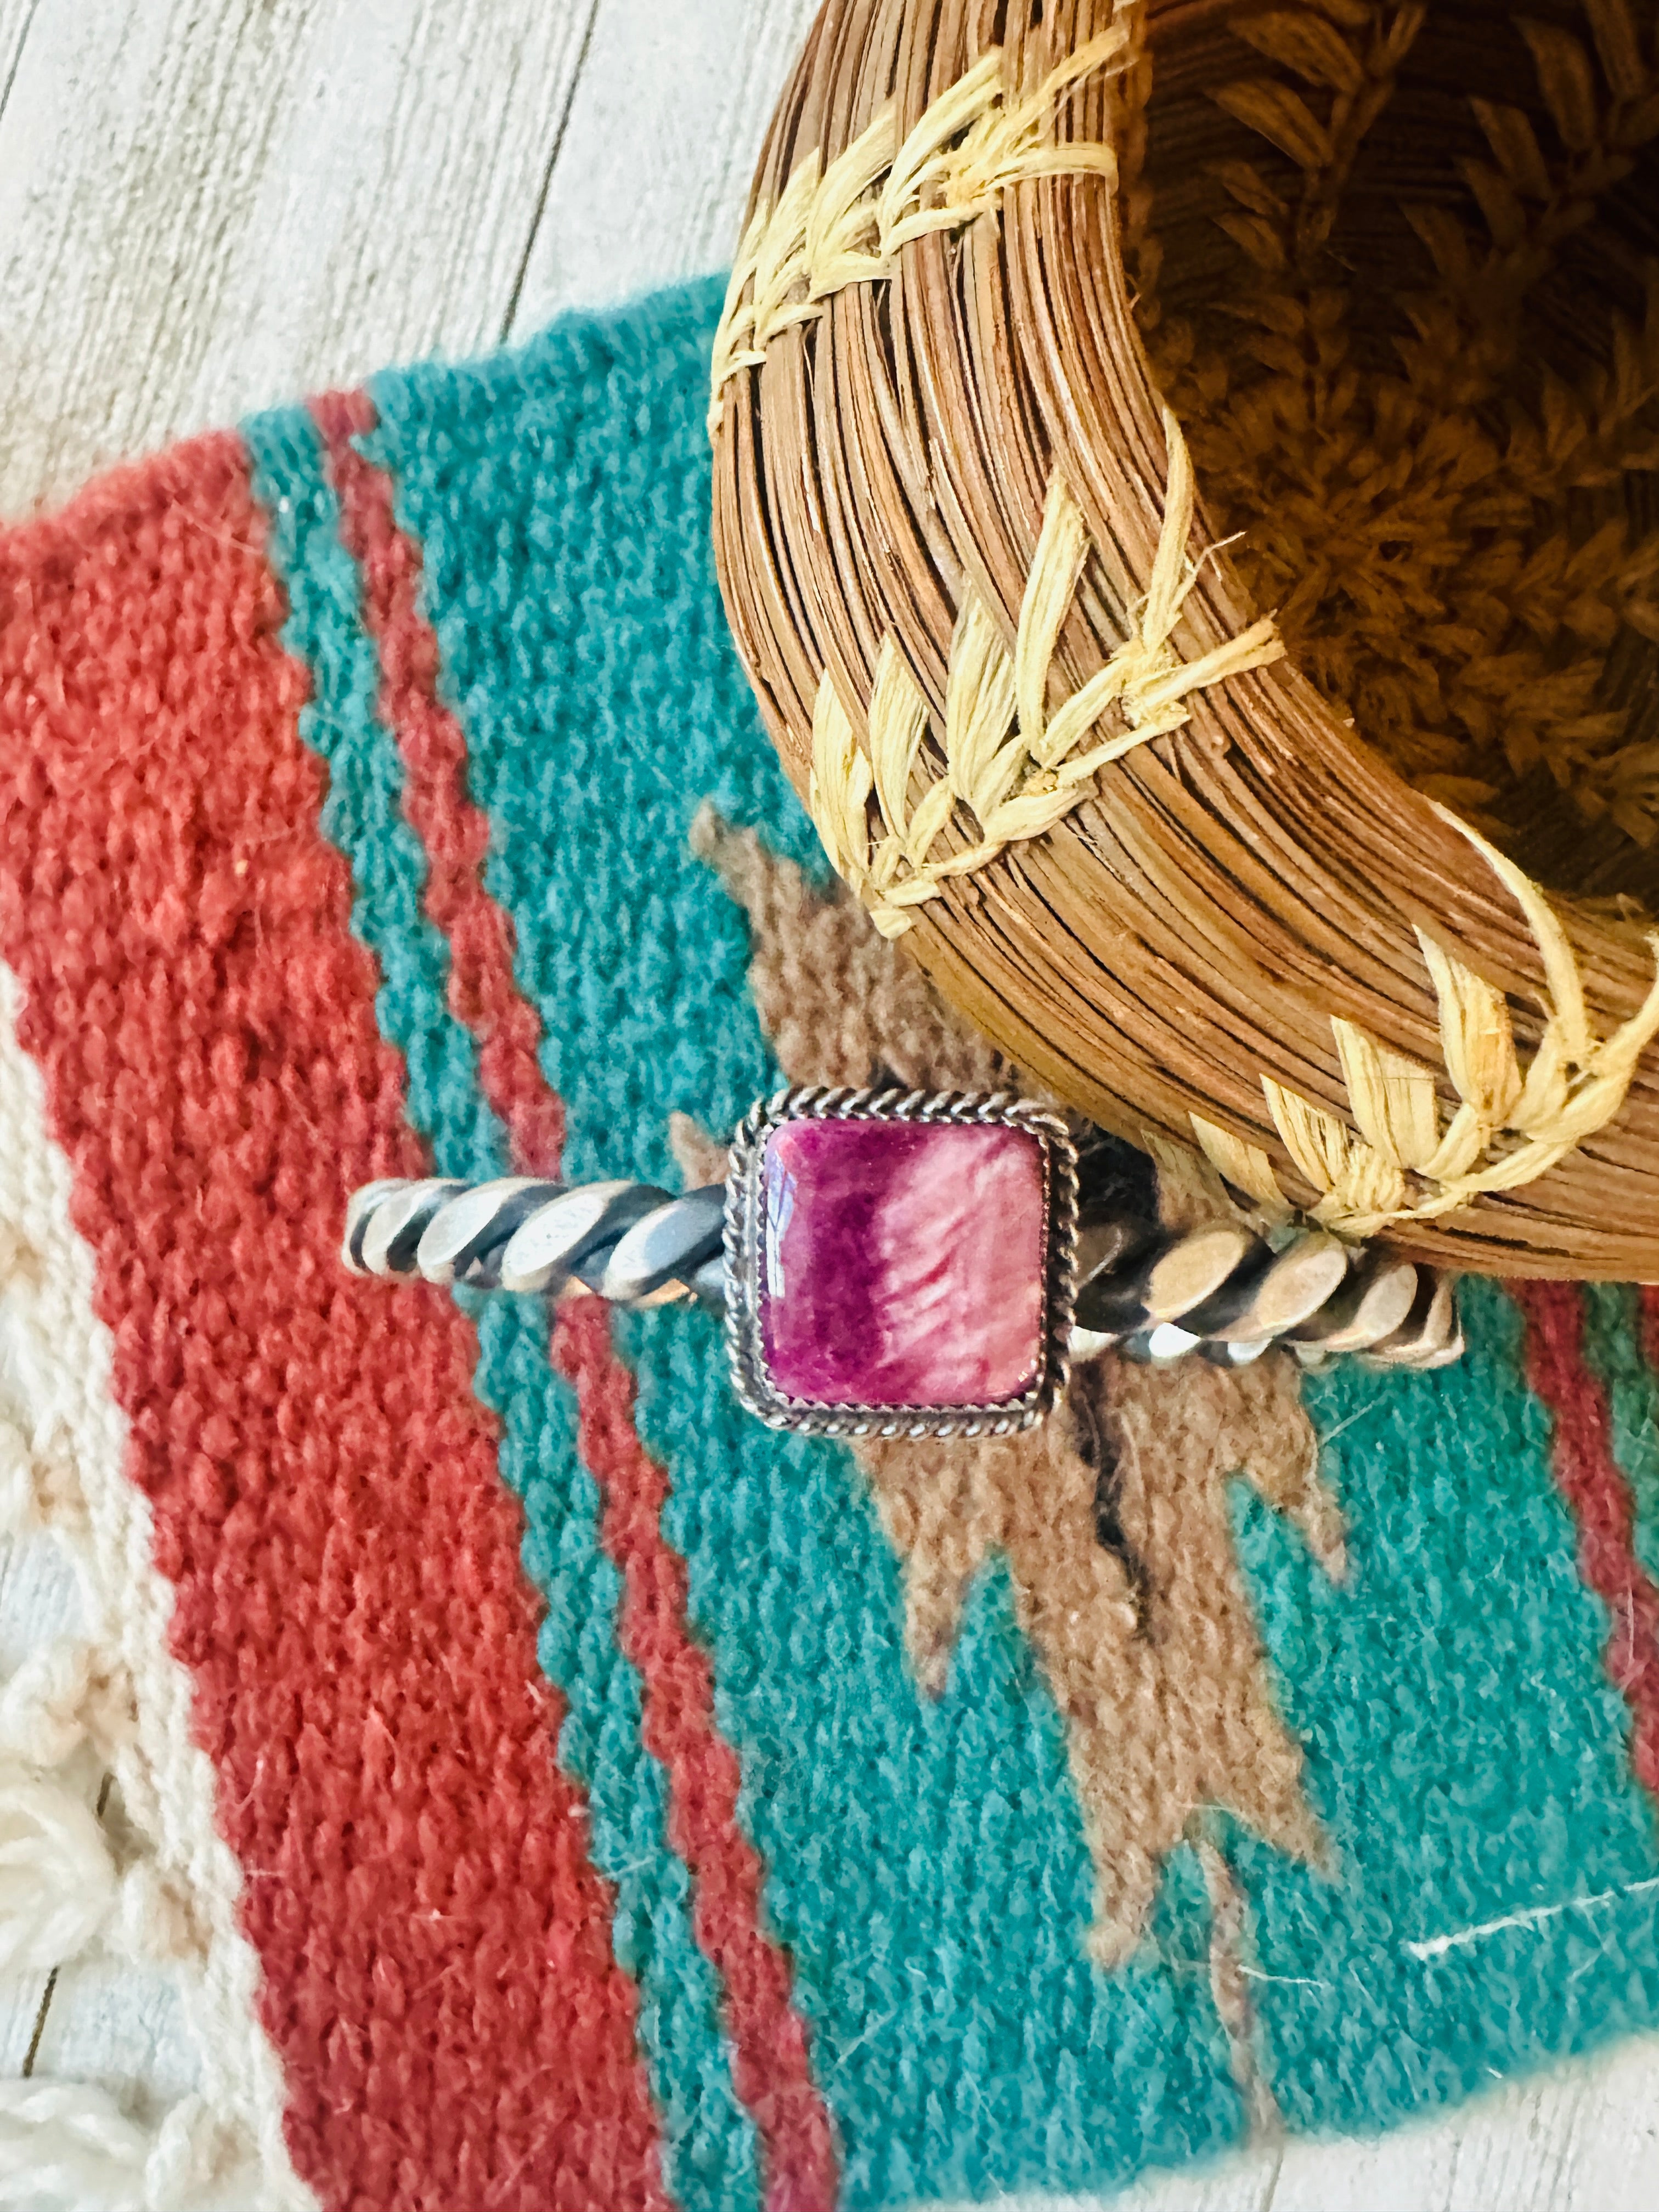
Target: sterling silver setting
point(745, 1348)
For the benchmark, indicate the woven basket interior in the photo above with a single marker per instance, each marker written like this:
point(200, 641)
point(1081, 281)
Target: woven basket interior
point(1398, 273)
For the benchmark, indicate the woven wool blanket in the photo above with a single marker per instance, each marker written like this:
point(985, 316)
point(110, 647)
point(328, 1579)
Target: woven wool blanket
point(554, 1789)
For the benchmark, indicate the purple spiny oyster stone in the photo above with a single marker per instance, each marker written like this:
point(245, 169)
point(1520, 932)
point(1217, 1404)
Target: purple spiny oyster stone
point(902, 1263)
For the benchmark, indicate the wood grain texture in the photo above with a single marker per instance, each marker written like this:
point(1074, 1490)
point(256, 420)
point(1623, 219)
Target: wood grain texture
point(121, 2026)
point(15, 16)
point(40, 1600)
point(39, 1597)
point(662, 139)
point(205, 210)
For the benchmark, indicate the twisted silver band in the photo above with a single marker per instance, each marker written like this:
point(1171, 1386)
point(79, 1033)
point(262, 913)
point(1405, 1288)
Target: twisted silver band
point(1229, 1295)
point(1154, 1294)
point(632, 1243)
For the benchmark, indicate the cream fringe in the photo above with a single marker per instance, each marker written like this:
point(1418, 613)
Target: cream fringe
point(121, 1692)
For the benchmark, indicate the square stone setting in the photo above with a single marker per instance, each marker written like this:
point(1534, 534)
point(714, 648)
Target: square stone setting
point(897, 1269)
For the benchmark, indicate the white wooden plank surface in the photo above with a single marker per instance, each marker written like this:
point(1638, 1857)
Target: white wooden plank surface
point(205, 210)
point(14, 25)
point(663, 136)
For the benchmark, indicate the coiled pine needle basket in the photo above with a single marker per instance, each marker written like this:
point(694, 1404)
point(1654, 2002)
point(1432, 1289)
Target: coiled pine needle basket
point(1185, 493)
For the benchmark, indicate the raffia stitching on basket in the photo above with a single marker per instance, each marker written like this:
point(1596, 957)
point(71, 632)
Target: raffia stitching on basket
point(846, 225)
point(1359, 71)
point(1508, 1129)
point(1011, 768)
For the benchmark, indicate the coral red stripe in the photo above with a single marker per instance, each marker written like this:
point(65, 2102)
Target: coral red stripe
point(770, 2068)
point(1596, 1487)
point(435, 1941)
point(1650, 1322)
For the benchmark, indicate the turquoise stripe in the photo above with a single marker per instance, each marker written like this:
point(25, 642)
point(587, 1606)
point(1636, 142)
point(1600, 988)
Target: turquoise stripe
point(711, 2149)
point(927, 1868)
point(1613, 1340)
point(1466, 1754)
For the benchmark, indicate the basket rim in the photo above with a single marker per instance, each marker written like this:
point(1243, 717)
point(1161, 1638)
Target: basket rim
point(1584, 981)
